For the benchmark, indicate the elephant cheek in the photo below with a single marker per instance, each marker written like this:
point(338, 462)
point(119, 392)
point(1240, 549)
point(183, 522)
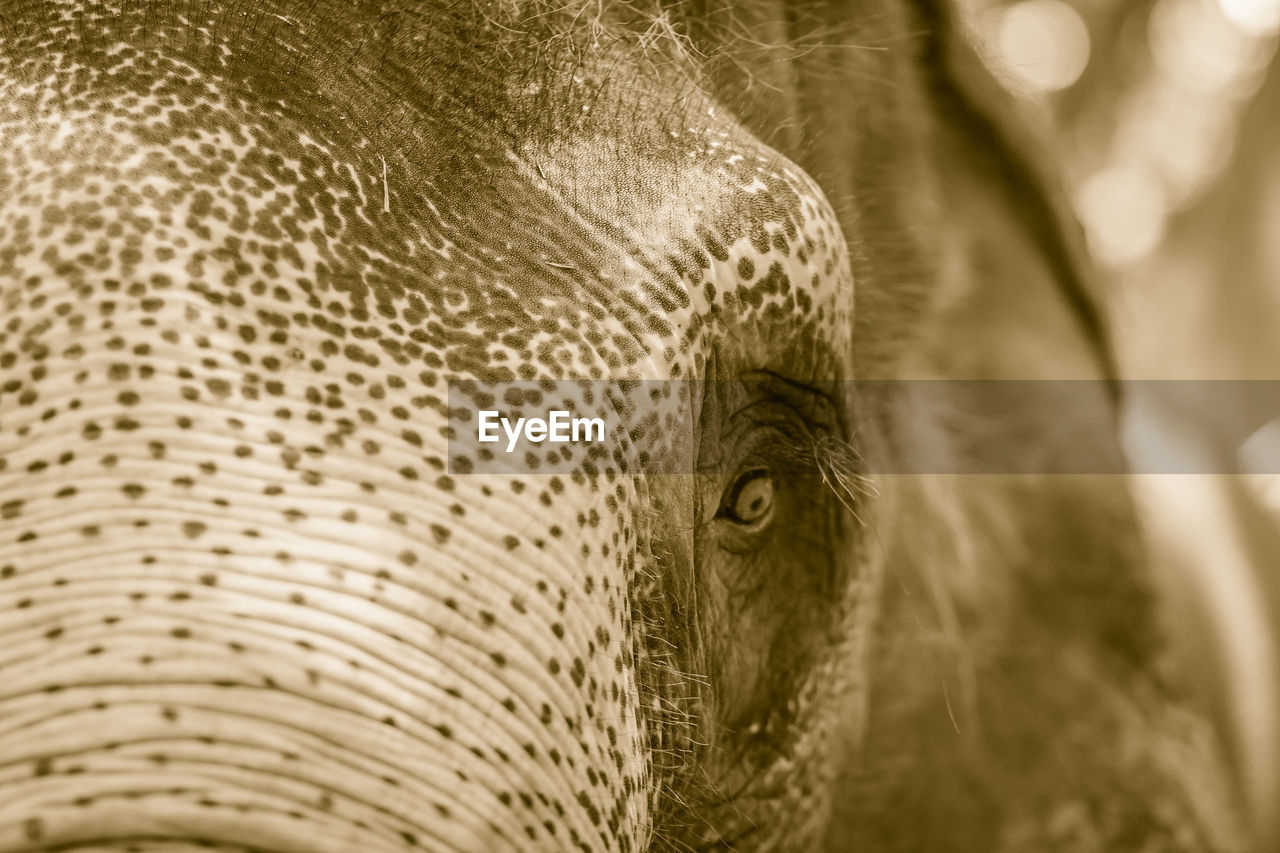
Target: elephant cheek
point(352, 689)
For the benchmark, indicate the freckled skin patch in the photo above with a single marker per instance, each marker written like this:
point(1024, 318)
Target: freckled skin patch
point(233, 543)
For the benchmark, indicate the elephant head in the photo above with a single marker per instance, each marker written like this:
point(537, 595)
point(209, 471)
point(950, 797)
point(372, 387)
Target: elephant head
point(261, 266)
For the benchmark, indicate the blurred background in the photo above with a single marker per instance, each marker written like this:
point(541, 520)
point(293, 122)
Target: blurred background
point(1166, 116)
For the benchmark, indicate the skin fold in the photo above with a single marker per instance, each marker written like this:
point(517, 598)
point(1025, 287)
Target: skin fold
point(254, 257)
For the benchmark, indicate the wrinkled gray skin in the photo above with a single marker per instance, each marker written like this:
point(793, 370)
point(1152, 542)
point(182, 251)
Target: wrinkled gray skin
point(251, 595)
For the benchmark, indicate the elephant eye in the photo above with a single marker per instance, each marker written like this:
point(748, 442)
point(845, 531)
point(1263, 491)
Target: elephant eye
point(749, 501)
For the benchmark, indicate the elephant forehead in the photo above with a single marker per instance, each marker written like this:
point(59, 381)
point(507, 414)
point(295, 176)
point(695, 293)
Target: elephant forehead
point(489, 255)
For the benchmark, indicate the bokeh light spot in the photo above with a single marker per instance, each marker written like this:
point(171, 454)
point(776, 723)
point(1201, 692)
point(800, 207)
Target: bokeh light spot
point(1256, 17)
point(1123, 208)
point(1196, 45)
point(1043, 45)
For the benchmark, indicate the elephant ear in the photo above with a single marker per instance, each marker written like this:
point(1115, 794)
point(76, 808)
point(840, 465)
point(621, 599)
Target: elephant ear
point(1021, 695)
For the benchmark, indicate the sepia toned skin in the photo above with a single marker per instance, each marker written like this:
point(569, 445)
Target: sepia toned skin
point(249, 593)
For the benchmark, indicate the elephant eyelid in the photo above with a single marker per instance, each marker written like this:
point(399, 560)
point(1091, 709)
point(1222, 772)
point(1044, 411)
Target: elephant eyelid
point(795, 446)
point(815, 406)
point(811, 440)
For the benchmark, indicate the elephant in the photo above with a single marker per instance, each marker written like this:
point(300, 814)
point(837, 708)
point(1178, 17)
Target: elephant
point(263, 263)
